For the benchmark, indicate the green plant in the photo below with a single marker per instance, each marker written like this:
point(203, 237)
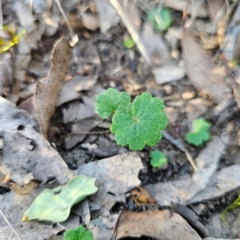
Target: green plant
point(14, 38)
point(200, 132)
point(158, 159)
point(136, 123)
point(234, 205)
point(161, 18)
point(128, 43)
point(79, 233)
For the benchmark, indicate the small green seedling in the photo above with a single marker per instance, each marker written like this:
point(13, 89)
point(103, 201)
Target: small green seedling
point(161, 18)
point(158, 159)
point(79, 233)
point(54, 205)
point(135, 124)
point(200, 133)
point(128, 43)
point(234, 205)
point(14, 38)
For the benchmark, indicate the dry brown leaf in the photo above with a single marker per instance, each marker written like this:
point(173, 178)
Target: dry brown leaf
point(43, 104)
point(156, 224)
point(201, 71)
point(47, 92)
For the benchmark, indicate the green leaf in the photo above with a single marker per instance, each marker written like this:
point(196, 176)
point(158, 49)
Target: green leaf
point(141, 124)
point(129, 43)
point(161, 18)
point(234, 205)
point(79, 233)
point(158, 159)
point(110, 101)
point(200, 132)
point(55, 204)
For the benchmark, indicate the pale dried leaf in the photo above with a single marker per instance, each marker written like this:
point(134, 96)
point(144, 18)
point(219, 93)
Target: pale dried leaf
point(26, 153)
point(6, 78)
point(90, 21)
point(194, 9)
point(116, 175)
point(103, 228)
point(108, 16)
point(222, 182)
point(201, 70)
point(155, 224)
point(73, 88)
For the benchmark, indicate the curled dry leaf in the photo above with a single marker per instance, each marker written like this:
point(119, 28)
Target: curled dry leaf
point(47, 92)
point(155, 224)
point(201, 71)
point(26, 154)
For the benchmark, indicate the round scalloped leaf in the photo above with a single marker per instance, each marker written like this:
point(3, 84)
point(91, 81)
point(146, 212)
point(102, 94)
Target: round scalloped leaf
point(142, 125)
point(111, 101)
point(200, 133)
point(79, 233)
point(158, 159)
point(161, 18)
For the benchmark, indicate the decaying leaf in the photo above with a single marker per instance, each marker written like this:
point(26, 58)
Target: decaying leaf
point(26, 154)
point(155, 224)
point(6, 80)
point(47, 92)
point(114, 177)
point(226, 180)
point(201, 70)
point(103, 227)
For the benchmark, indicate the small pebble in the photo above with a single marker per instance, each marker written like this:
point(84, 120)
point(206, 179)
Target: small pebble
point(188, 95)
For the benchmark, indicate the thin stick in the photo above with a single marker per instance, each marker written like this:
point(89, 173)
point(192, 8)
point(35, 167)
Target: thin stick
point(64, 16)
point(131, 29)
point(180, 146)
point(86, 133)
point(5, 218)
point(173, 141)
point(190, 159)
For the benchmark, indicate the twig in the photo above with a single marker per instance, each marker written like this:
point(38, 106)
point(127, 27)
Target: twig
point(64, 16)
point(190, 159)
point(131, 29)
point(180, 146)
point(10, 225)
point(173, 141)
point(87, 133)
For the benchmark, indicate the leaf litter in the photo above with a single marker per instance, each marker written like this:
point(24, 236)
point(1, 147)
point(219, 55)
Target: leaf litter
point(125, 69)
